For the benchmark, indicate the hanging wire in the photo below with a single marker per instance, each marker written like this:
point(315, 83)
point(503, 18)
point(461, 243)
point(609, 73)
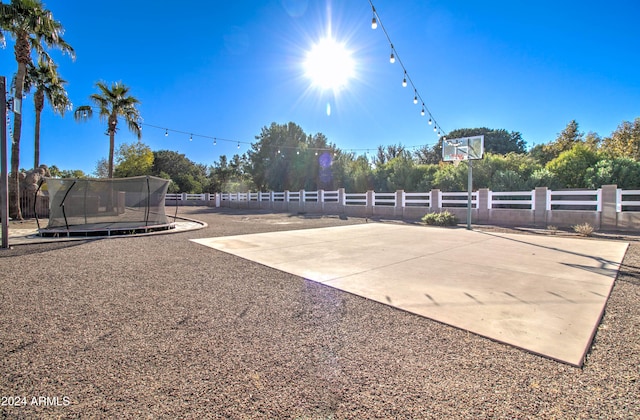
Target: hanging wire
point(377, 22)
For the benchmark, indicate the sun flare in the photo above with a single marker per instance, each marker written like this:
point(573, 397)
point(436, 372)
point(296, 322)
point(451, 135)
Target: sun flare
point(329, 65)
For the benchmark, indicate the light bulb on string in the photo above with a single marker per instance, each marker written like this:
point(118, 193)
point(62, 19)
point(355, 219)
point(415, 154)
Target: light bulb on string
point(190, 137)
point(215, 141)
point(435, 128)
point(392, 58)
point(166, 132)
point(430, 122)
point(404, 80)
point(422, 112)
point(415, 98)
point(374, 23)
point(238, 145)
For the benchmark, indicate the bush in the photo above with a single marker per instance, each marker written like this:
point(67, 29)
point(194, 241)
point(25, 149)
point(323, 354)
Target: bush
point(440, 219)
point(584, 229)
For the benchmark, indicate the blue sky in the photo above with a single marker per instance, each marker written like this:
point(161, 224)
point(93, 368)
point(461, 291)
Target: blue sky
point(227, 69)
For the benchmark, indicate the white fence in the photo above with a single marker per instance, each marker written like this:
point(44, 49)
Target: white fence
point(627, 200)
point(607, 207)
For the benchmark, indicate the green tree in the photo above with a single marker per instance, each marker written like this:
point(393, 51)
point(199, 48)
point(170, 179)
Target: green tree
point(624, 141)
point(429, 155)
point(567, 138)
point(622, 171)
point(286, 158)
point(102, 169)
point(392, 151)
point(49, 85)
point(230, 176)
point(133, 160)
point(33, 28)
point(186, 175)
point(572, 165)
point(112, 102)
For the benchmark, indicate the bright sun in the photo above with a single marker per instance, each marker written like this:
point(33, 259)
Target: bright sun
point(329, 65)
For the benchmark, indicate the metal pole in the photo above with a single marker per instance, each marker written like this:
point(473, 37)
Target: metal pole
point(4, 181)
point(469, 193)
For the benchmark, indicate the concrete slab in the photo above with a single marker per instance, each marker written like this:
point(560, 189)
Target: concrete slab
point(544, 294)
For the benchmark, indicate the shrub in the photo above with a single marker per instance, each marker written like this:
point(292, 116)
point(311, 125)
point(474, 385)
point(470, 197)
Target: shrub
point(584, 229)
point(440, 219)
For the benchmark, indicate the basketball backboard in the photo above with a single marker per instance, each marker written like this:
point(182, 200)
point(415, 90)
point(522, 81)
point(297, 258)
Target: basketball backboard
point(464, 148)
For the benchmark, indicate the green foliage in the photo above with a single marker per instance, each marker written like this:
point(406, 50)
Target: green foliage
point(133, 160)
point(286, 158)
point(187, 176)
point(622, 171)
point(113, 102)
point(566, 140)
point(571, 166)
point(624, 141)
point(55, 172)
point(230, 176)
point(440, 219)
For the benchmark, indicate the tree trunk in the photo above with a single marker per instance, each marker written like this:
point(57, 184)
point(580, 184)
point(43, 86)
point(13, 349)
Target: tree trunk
point(38, 98)
point(113, 121)
point(14, 205)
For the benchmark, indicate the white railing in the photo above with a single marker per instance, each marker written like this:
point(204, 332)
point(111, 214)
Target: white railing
point(626, 199)
point(589, 200)
point(416, 199)
point(384, 199)
point(331, 196)
point(173, 196)
point(294, 196)
point(354, 199)
point(593, 201)
point(458, 199)
point(512, 199)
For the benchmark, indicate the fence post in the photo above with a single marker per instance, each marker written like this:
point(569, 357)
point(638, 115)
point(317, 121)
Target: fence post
point(400, 204)
point(370, 202)
point(483, 205)
point(609, 215)
point(218, 200)
point(321, 199)
point(434, 202)
point(541, 195)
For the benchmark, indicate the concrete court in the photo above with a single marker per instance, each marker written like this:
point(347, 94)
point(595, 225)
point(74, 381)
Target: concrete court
point(544, 294)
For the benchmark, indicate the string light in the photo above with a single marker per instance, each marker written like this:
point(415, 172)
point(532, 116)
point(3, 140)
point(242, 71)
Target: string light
point(392, 59)
point(166, 132)
point(280, 150)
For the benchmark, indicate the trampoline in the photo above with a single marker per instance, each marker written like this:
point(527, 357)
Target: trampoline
point(106, 207)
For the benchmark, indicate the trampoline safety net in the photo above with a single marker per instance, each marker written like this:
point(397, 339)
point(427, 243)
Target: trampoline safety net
point(107, 204)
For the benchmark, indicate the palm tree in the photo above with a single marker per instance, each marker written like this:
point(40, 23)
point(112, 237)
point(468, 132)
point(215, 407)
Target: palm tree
point(44, 78)
point(33, 28)
point(112, 102)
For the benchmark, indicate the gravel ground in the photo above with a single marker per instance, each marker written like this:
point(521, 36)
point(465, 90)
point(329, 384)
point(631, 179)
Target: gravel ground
point(158, 326)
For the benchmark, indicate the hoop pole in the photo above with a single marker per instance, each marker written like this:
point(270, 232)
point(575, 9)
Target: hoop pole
point(469, 192)
point(4, 180)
